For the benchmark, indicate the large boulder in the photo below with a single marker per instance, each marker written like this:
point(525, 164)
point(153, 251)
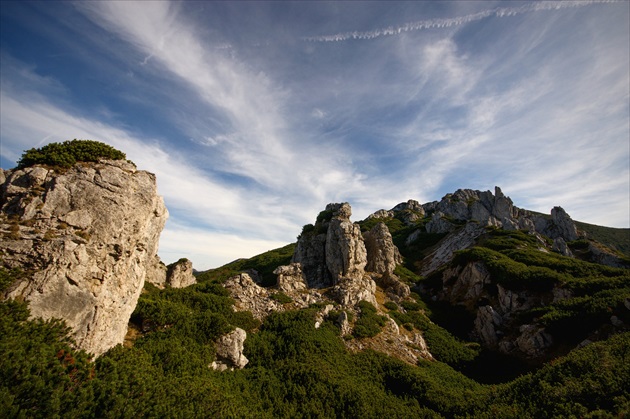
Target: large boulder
point(382, 254)
point(560, 225)
point(310, 253)
point(230, 351)
point(180, 274)
point(346, 256)
point(87, 236)
point(290, 278)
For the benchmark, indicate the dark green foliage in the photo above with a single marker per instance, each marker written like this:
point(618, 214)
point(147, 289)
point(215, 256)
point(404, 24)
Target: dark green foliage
point(407, 275)
point(68, 153)
point(9, 276)
point(369, 323)
point(510, 273)
point(593, 381)
point(573, 319)
point(324, 216)
point(444, 346)
point(306, 230)
point(295, 370)
point(390, 305)
point(40, 375)
point(393, 224)
point(281, 297)
point(615, 238)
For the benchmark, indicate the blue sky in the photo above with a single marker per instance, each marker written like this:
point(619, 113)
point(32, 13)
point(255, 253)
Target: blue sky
point(255, 115)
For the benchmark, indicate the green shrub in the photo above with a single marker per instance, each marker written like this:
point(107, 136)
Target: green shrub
point(369, 323)
point(390, 305)
point(281, 297)
point(68, 153)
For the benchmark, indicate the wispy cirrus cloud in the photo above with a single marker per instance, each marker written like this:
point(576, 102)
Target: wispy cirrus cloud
point(250, 142)
point(441, 23)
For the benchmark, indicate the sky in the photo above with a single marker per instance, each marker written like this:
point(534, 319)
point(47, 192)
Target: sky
point(255, 115)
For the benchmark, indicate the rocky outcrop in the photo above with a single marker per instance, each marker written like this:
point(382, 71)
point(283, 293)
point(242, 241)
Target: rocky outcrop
point(180, 274)
point(559, 225)
point(439, 224)
point(261, 301)
point(497, 309)
point(382, 254)
point(560, 246)
point(496, 210)
point(350, 291)
point(230, 351)
point(310, 253)
point(408, 212)
point(394, 288)
point(156, 273)
point(290, 278)
point(250, 296)
point(346, 255)
point(333, 254)
point(601, 255)
point(459, 240)
point(88, 235)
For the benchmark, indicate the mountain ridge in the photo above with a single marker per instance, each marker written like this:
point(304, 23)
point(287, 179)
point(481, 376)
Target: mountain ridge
point(410, 312)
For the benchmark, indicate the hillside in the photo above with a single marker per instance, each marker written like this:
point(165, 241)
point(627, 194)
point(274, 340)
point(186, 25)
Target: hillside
point(463, 307)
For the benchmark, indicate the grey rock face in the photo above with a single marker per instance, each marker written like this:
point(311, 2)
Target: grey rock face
point(560, 246)
point(533, 340)
point(230, 351)
point(392, 285)
point(250, 296)
point(345, 251)
point(382, 254)
point(336, 257)
point(350, 291)
point(559, 225)
point(487, 324)
point(290, 278)
point(180, 274)
point(310, 253)
point(465, 284)
point(382, 214)
point(461, 239)
point(89, 235)
point(156, 273)
point(439, 224)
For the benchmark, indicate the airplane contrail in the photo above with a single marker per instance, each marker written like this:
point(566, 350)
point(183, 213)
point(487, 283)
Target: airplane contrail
point(456, 21)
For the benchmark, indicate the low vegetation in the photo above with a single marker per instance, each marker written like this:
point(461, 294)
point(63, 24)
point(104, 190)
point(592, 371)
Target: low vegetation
point(68, 153)
point(295, 370)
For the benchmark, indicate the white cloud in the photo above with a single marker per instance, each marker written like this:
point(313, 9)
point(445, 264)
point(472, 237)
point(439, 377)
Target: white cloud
point(196, 198)
point(440, 23)
point(210, 250)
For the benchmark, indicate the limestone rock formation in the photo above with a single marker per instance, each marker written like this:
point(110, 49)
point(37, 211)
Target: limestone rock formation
point(310, 253)
point(180, 274)
point(382, 254)
point(290, 278)
point(439, 224)
point(230, 351)
point(346, 256)
point(156, 273)
point(88, 235)
point(486, 325)
point(458, 240)
point(381, 214)
point(560, 246)
point(394, 288)
point(250, 296)
point(560, 225)
point(333, 253)
point(350, 291)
